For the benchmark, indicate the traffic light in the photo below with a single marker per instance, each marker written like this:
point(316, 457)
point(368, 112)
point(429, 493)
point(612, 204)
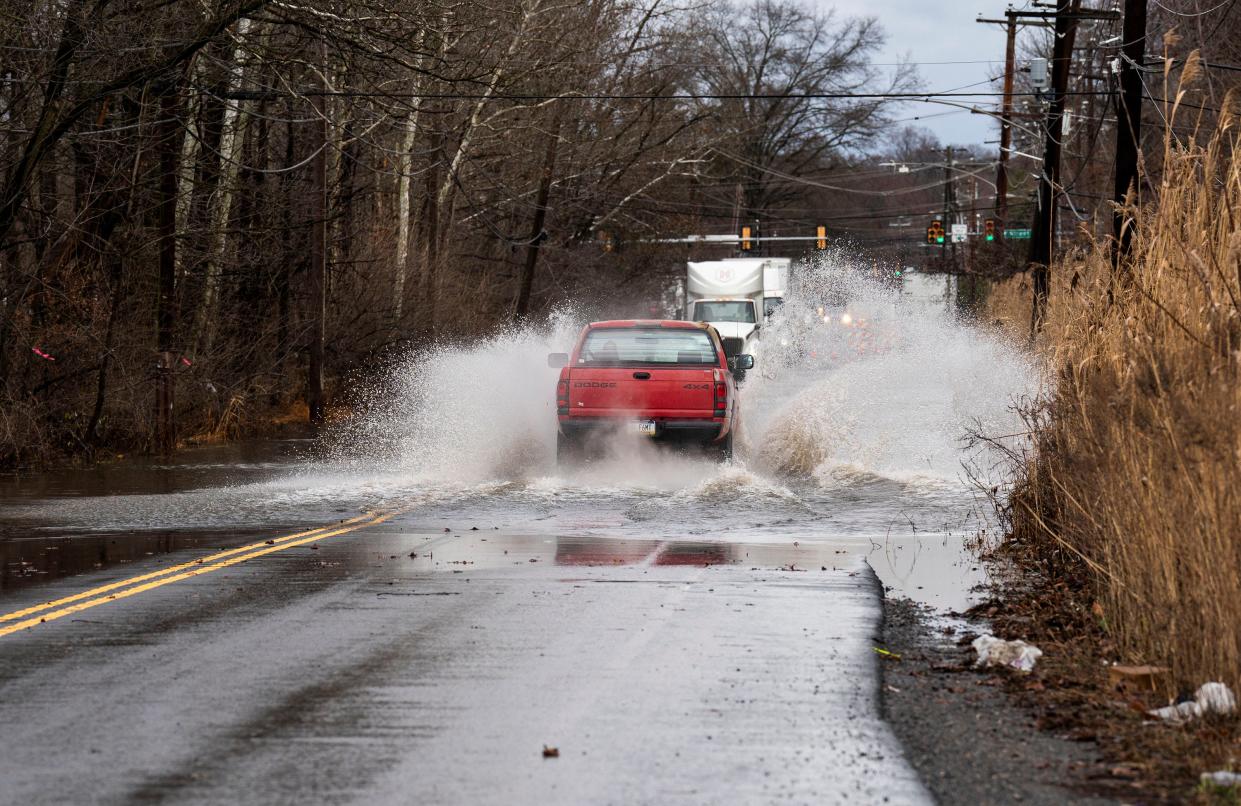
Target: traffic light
point(821, 238)
point(988, 229)
point(935, 232)
point(746, 243)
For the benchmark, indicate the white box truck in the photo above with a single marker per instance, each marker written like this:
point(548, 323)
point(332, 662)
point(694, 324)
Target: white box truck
point(735, 296)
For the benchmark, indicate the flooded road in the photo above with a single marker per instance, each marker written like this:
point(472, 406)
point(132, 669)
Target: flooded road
point(680, 630)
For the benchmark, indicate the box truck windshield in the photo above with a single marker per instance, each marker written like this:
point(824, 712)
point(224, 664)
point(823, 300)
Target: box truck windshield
point(725, 311)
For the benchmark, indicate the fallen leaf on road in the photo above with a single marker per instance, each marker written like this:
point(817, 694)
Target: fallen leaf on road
point(551, 752)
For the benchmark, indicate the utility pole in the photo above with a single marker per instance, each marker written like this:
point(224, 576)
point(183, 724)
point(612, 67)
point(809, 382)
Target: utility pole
point(1006, 123)
point(948, 220)
point(1129, 130)
point(318, 248)
point(1044, 227)
point(972, 224)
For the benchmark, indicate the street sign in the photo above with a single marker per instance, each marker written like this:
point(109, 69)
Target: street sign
point(1017, 234)
point(959, 233)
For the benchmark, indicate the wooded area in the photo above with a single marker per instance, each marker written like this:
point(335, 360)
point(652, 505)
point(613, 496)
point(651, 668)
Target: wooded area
point(217, 213)
point(211, 211)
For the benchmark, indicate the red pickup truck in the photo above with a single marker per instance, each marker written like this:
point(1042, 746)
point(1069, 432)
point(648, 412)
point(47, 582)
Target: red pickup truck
point(647, 379)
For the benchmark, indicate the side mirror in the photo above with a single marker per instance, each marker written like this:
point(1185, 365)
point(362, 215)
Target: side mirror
point(557, 360)
point(741, 362)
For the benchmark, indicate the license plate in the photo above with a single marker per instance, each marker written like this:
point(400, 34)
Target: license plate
point(646, 427)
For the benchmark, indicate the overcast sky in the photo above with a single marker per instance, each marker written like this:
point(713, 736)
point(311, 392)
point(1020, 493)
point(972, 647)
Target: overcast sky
point(930, 31)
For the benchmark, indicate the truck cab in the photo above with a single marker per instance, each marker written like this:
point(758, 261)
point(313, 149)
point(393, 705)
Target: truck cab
point(734, 296)
point(736, 320)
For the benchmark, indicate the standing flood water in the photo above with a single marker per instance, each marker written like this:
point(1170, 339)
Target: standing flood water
point(676, 630)
point(854, 420)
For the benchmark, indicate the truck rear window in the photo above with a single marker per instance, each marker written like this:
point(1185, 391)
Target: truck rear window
point(631, 345)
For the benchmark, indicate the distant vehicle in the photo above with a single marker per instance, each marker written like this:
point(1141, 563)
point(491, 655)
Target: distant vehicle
point(735, 296)
point(647, 379)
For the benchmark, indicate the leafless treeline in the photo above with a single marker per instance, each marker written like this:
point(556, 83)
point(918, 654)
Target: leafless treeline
point(204, 204)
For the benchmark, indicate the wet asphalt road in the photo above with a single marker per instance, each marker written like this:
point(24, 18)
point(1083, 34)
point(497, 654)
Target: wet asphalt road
point(343, 669)
point(680, 631)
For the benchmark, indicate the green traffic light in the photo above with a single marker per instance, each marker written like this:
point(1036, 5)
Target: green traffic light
point(990, 237)
point(940, 239)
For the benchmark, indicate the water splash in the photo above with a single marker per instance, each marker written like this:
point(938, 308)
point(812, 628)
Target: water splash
point(854, 428)
point(889, 392)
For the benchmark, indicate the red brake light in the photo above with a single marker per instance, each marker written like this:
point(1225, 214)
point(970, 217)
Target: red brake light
point(562, 394)
point(721, 394)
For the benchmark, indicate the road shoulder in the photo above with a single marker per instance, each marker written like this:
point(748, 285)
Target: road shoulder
point(963, 734)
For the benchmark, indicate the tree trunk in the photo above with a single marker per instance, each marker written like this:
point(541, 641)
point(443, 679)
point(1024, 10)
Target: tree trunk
point(166, 300)
point(41, 139)
point(430, 260)
point(187, 169)
point(91, 437)
point(537, 236)
point(404, 224)
point(318, 252)
point(291, 253)
point(231, 140)
point(232, 137)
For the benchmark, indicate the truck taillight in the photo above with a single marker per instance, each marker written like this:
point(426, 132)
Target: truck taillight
point(721, 395)
point(562, 395)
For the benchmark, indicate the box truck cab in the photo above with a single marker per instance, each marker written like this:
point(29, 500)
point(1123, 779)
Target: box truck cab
point(734, 296)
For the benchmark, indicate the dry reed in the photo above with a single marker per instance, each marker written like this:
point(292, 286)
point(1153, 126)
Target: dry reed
point(1136, 470)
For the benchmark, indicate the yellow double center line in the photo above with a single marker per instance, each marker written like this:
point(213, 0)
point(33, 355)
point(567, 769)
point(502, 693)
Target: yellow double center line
point(123, 589)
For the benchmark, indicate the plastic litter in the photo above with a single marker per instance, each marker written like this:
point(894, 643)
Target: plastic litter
point(1211, 698)
point(994, 651)
point(1216, 698)
point(1221, 778)
point(1181, 712)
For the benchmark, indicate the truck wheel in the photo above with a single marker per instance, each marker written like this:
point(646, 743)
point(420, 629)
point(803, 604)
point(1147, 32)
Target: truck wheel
point(723, 450)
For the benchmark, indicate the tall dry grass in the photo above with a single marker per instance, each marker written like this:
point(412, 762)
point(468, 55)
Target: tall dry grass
point(1136, 468)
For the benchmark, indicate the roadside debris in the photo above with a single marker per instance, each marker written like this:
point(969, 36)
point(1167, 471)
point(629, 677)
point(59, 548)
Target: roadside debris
point(994, 651)
point(1141, 677)
point(1210, 698)
point(1221, 778)
point(551, 752)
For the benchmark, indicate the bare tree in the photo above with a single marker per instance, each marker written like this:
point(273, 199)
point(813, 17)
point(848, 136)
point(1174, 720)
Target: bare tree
point(777, 75)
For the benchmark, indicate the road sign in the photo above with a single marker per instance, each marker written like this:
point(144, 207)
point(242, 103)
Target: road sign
point(1017, 234)
point(959, 233)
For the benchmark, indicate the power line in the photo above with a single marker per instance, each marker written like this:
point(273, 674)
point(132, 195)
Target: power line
point(1192, 14)
point(256, 95)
